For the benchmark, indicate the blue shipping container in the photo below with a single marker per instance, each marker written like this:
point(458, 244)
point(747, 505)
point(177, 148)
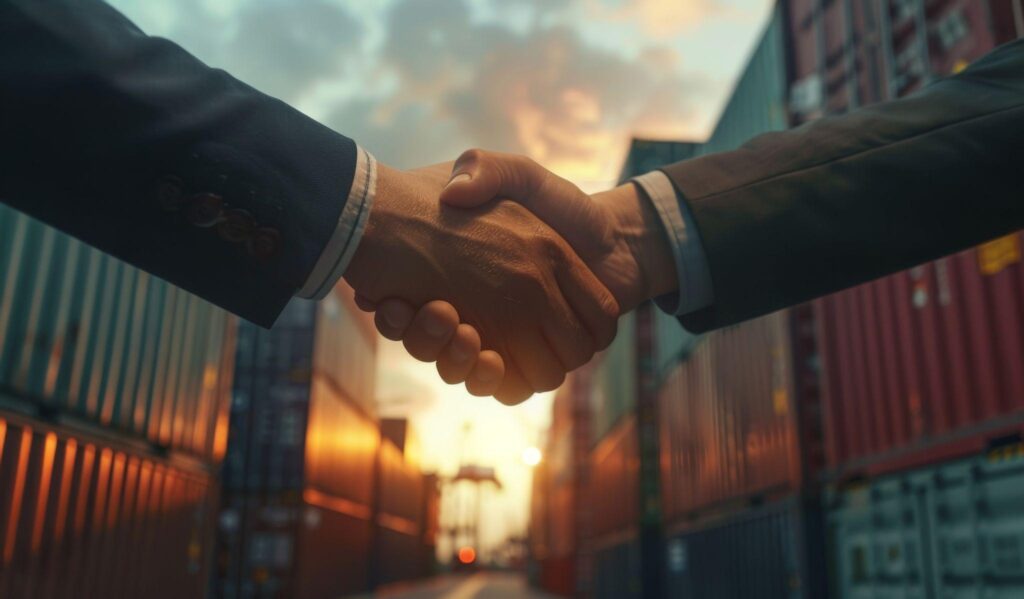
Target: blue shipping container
point(954, 530)
point(771, 552)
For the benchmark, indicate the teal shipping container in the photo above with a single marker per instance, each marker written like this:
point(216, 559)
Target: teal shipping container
point(613, 387)
point(770, 552)
point(85, 336)
point(757, 105)
point(950, 531)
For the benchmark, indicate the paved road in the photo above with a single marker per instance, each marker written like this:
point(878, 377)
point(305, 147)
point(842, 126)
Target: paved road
point(483, 585)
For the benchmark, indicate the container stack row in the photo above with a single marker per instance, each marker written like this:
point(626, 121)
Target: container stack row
point(865, 444)
point(321, 498)
point(114, 394)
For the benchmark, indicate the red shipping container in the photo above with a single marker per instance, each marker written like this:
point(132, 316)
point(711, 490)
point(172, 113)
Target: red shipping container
point(613, 487)
point(739, 416)
point(82, 516)
point(925, 364)
point(915, 362)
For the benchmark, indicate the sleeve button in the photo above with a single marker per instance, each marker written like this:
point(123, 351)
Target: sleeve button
point(204, 209)
point(169, 193)
point(236, 226)
point(263, 243)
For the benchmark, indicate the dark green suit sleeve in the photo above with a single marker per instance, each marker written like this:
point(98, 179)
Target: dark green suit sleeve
point(799, 214)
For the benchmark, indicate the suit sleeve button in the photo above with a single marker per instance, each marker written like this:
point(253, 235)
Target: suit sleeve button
point(237, 225)
point(263, 243)
point(169, 193)
point(204, 209)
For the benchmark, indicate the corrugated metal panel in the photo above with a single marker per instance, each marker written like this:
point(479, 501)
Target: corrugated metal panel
point(301, 463)
point(612, 489)
point(85, 335)
point(80, 517)
point(918, 356)
point(729, 419)
point(918, 359)
point(613, 388)
point(955, 530)
point(617, 571)
point(758, 101)
point(772, 552)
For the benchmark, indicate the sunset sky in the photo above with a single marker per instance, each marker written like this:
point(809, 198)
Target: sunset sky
point(417, 81)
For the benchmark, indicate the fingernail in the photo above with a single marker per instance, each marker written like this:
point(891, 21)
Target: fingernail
point(459, 178)
point(435, 328)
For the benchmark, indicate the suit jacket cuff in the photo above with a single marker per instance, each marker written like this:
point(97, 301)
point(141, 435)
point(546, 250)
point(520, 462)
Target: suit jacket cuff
point(349, 231)
point(695, 290)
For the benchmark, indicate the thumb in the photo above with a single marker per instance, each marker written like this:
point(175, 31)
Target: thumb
point(479, 176)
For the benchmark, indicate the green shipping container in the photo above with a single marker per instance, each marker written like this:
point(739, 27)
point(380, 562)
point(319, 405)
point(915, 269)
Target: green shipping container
point(83, 334)
point(952, 531)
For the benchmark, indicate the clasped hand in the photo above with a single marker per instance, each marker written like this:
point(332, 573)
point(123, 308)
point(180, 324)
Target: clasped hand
point(504, 274)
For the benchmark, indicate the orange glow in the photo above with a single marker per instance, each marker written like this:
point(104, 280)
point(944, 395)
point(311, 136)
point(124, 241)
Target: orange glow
point(88, 459)
point(336, 504)
point(19, 488)
point(102, 482)
point(70, 449)
point(467, 555)
point(49, 449)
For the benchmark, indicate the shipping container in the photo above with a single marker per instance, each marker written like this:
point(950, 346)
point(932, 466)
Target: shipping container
point(612, 391)
point(309, 476)
point(399, 518)
point(301, 465)
point(613, 485)
point(926, 364)
point(91, 516)
point(618, 571)
point(561, 511)
point(953, 530)
point(738, 417)
point(770, 552)
point(86, 338)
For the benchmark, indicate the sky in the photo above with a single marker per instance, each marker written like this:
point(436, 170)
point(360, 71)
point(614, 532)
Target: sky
point(416, 82)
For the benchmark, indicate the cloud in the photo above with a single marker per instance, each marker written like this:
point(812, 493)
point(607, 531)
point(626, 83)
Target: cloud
point(658, 18)
point(544, 92)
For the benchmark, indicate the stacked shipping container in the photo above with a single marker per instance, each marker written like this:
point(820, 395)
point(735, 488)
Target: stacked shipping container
point(927, 365)
point(317, 502)
point(114, 388)
point(740, 440)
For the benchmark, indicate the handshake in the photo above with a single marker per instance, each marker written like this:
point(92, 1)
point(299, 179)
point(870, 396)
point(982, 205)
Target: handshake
point(504, 274)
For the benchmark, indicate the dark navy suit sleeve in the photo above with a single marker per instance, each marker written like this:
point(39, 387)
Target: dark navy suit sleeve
point(799, 214)
point(136, 147)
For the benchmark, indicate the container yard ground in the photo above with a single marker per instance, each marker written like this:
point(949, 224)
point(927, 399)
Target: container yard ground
point(482, 585)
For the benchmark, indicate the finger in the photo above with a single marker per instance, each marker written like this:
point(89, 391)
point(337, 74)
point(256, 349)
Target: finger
point(393, 318)
point(591, 301)
point(458, 359)
point(514, 388)
point(487, 374)
point(365, 304)
point(432, 327)
point(539, 365)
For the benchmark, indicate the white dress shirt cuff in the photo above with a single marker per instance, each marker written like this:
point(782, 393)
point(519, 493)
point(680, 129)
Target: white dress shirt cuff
point(695, 291)
point(351, 222)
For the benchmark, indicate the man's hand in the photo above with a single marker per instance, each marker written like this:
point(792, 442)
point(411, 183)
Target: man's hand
point(616, 232)
point(510, 276)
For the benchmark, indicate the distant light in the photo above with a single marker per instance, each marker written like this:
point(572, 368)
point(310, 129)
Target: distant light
point(467, 555)
point(531, 456)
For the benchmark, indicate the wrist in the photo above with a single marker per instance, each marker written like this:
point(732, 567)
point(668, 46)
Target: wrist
point(641, 234)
